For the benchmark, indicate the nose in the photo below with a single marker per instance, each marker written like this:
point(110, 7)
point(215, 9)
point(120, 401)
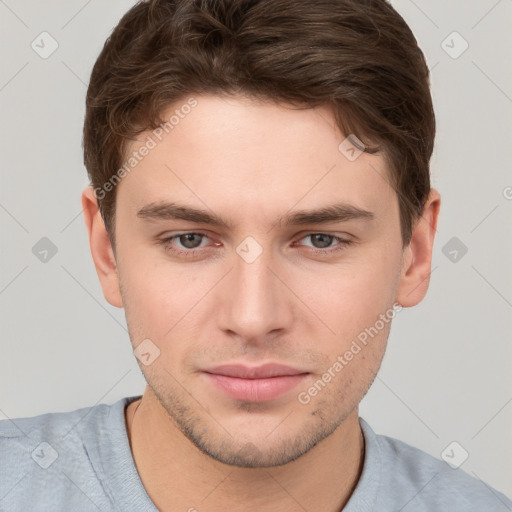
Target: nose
point(254, 301)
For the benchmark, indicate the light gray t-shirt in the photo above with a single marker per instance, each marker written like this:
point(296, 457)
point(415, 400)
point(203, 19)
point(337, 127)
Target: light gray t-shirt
point(81, 461)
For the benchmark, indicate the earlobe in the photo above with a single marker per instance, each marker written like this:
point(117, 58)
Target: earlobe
point(101, 249)
point(417, 256)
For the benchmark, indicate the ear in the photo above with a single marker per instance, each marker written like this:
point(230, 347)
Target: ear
point(101, 249)
point(417, 256)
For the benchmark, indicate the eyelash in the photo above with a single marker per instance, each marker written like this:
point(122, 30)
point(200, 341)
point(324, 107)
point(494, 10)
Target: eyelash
point(169, 246)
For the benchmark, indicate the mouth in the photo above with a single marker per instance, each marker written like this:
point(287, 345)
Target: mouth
point(257, 383)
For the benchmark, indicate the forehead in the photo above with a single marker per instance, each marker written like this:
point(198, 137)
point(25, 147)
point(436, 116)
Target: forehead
point(250, 157)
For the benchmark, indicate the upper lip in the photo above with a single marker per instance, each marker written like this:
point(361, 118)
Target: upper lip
point(264, 371)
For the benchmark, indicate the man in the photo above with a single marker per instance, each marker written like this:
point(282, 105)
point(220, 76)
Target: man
point(260, 206)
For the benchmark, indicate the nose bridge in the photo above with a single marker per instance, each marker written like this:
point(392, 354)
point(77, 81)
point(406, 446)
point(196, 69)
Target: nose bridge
point(254, 302)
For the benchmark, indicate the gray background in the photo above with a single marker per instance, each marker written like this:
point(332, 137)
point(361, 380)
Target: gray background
point(446, 376)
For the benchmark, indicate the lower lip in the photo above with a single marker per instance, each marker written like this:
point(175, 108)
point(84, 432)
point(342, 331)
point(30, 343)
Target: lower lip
point(255, 390)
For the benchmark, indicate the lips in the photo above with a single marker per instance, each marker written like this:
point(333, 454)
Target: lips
point(257, 383)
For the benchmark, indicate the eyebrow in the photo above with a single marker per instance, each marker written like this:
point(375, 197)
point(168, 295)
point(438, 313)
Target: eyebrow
point(332, 213)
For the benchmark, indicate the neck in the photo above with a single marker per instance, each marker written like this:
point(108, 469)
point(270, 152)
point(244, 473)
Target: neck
point(177, 476)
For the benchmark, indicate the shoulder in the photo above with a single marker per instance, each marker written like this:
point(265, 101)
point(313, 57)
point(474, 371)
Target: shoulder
point(40, 437)
point(420, 482)
point(48, 459)
point(53, 424)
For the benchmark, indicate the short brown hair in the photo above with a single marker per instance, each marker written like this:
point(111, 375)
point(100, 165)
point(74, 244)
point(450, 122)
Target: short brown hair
point(357, 56)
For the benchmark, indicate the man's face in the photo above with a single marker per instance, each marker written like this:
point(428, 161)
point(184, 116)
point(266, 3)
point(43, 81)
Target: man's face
point(261, 289)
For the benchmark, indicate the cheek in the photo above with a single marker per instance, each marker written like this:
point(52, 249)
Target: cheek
point(160, 298)
point(145, 293)
point(349, 297)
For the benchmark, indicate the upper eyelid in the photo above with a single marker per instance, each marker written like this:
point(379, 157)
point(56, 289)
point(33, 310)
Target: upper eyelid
point(309, 233)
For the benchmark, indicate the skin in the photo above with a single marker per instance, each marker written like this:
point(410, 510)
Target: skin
point(251, 162)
